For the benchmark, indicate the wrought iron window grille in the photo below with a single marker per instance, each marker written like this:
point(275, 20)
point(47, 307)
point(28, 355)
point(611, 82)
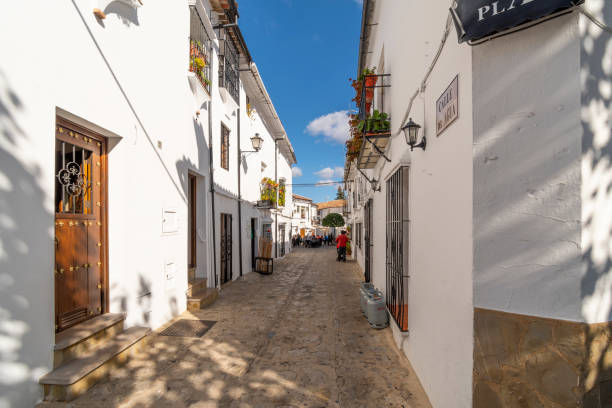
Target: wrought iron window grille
point(397, 234)
point(199, 49)
point(369, 84)
point(229, 75)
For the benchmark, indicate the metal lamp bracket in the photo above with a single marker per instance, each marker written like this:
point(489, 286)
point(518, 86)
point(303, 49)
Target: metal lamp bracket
point(371, 181)
point(380, 152)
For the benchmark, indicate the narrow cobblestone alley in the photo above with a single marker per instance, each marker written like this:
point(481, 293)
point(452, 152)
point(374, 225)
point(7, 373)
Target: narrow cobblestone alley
point(292, 339)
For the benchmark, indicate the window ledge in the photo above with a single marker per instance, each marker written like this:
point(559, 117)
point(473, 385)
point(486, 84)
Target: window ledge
point(199, 92)
point(395, 327)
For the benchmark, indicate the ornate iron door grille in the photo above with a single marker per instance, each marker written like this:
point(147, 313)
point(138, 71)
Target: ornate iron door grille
point(367, 235)
point(226, 248)
point(397, 247)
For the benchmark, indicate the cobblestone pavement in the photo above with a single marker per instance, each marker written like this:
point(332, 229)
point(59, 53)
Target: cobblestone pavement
point(292, 339)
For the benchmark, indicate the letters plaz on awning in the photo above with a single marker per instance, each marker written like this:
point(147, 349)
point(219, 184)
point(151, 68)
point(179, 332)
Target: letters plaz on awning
point(476, 19)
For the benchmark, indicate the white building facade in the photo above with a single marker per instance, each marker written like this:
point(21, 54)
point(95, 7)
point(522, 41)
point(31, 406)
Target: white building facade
point(492, 243)
point(303, 221)
point(112, 175)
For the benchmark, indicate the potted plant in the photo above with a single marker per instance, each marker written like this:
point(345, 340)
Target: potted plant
point(377, 123)
point(268, 191)
point(353, 145)
point(370, 83)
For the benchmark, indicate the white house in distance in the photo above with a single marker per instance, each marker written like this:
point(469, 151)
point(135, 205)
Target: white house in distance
point(304, 214)
point(329, 207)
point(122, 178)
point(491, 239)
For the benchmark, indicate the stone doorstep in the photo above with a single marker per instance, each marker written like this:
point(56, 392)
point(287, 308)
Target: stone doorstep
point(202, 298)
point(195, 284)
point(84, 337)
point(77, 376)
point(88, 328)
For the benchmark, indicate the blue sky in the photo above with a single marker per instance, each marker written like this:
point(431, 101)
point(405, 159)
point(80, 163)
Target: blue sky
point(306, 50)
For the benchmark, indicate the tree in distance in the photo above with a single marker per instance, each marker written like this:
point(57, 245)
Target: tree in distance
point(333, 220)
point(340, 194)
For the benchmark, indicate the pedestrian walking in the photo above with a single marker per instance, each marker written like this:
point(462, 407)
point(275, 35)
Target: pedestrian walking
point(341, 246)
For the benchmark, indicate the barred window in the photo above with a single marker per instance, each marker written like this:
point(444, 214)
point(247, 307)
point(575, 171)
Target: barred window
point(225, 147)
point(397, 247)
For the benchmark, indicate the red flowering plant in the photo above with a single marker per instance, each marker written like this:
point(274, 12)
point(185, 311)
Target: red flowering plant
point(358, 83)
point(353, 145)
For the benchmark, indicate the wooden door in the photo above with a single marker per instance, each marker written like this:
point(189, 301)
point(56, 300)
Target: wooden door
point(253, 242)
point(193, 249)
point(80, 198)
point(226, 248)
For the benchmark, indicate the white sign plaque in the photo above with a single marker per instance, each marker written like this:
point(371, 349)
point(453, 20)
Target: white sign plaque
point(447, 107)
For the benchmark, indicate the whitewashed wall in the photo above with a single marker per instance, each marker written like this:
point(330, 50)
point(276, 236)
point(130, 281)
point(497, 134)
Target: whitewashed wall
point(110, 74)
point(439, 344)
point(527, 217)
point(596, 164)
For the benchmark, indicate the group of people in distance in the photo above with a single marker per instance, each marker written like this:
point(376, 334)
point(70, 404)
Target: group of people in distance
point(311, 240)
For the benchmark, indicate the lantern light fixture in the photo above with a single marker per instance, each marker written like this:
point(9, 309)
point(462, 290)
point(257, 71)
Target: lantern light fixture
point(411, 132)
point(256, 142)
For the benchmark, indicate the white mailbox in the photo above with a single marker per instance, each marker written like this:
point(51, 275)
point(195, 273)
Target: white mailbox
point(170, 221)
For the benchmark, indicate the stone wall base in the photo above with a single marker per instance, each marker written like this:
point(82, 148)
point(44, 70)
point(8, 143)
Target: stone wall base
point(526, 361)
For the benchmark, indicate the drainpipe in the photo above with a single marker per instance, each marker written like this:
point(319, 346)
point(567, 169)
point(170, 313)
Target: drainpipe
point(365, 19)
point(212, 187)
point(276, 181)
point(239, 199)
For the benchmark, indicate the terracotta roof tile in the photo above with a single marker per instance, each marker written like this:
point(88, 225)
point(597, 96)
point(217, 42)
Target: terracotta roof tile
point(330, 204)
point(299, 197)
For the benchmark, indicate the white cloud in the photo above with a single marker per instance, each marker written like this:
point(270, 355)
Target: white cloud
point(325, 183)
point(296, 172)
point(328, 172)
point(333, 126)
point(360, 2)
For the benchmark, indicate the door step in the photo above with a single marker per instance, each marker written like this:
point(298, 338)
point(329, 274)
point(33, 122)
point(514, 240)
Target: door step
point(90, 357)
point(195, 284)
point(82, 338)
point(201, 298)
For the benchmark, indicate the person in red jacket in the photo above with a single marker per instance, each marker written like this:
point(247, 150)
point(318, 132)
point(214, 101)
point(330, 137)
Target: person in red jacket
point(341, 246)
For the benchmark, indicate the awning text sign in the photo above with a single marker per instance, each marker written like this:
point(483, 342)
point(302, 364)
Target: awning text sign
point(447, 107)
point(476, 19)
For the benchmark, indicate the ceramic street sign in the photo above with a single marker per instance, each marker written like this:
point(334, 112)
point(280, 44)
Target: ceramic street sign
point(476, 19)
point(447, 106)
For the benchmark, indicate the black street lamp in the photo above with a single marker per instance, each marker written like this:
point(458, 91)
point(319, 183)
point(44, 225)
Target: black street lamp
point(411, 132)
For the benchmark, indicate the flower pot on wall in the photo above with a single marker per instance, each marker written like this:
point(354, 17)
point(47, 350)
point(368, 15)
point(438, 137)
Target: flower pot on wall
point(370, 83)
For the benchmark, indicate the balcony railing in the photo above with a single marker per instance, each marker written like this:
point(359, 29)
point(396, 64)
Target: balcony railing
point(199, 49)
point(228, 69)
